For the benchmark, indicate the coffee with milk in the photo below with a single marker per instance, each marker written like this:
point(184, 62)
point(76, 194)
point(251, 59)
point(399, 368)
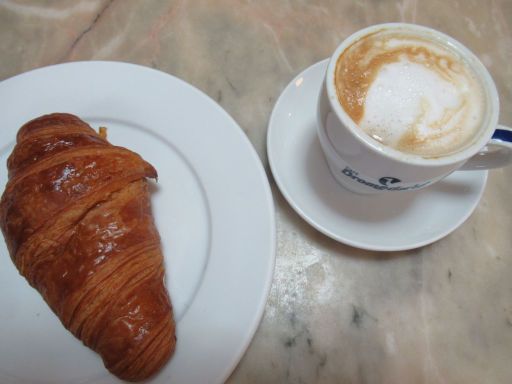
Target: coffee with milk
point(410, 92)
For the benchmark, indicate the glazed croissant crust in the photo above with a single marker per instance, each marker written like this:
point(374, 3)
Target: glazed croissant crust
point(77, 221)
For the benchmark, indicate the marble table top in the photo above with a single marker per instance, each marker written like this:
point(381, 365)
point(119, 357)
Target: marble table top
point(438, 314)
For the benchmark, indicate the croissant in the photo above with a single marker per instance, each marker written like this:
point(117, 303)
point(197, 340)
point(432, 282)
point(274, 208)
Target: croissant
point(77, 220)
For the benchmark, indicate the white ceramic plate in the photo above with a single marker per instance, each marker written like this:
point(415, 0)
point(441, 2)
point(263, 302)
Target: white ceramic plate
point(212, 206)
point(386, 222)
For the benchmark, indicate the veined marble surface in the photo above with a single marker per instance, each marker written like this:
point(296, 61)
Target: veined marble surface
point(439, 314)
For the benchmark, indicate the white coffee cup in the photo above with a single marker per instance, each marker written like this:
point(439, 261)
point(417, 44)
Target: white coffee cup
point(364, 165)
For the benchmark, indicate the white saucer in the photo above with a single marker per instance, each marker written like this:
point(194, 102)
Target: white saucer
point(388, 222)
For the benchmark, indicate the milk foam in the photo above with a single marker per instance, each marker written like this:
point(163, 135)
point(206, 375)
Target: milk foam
point(424, 100)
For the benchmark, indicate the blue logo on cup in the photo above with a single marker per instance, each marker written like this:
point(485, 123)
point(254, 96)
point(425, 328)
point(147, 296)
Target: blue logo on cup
point(388, 180)
point(385, 183)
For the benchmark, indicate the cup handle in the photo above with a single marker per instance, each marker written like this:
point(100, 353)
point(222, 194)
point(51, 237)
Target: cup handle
point(496, 154)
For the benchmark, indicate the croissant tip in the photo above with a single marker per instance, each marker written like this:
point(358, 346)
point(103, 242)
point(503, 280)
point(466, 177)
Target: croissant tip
point(57, 119)
point(102, 131)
